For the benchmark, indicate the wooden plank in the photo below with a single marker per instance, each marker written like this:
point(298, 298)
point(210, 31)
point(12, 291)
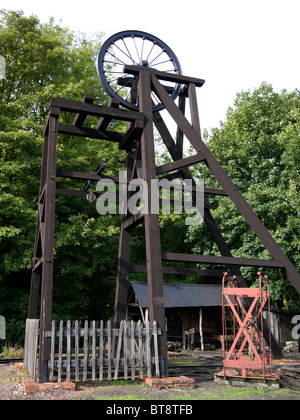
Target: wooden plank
point(208, 259)
point(156, 350)
point(76, 333)
point(125, 351)
point(109, 352)
point(119, 346)
point(170, 77)
point(104, 122)
point(74, 193)
point(133, 221)
point(140, 347)
point(133, 133)
point(51, 373)
point(85, 350)
point(79, 119)
point(180, 271)
point(178, 164)
point(95, 110)
point(148, 349)
point(91, 133)
point(93, 328)
point(179, 133)
point(101, 351)
point(68, 372)
point(31, 345)
point(60, 349)
point(132, 348)
point(194, 107)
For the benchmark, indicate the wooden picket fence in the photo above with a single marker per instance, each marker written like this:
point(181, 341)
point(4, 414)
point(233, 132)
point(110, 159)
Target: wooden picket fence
point(96, 352)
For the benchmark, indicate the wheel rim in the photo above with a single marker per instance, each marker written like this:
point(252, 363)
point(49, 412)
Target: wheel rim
point(139, 49)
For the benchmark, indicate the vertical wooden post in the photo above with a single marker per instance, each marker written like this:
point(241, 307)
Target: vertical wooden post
point(200, 329)
point(48, 245)
point(152, 229)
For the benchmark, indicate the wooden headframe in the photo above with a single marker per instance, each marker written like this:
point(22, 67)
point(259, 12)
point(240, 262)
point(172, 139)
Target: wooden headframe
point(138, 142)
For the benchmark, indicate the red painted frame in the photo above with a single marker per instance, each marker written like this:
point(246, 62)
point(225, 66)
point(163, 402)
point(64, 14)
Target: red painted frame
point(250, 302)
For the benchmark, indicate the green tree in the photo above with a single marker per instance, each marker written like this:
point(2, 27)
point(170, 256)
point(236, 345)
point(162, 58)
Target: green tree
point(45, 60)
point(258, 146)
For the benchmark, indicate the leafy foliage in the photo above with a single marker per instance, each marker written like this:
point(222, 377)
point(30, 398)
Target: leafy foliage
point(44, 61)
point(258, 146)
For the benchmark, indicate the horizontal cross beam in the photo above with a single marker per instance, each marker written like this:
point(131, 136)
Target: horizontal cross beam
point(208, 259)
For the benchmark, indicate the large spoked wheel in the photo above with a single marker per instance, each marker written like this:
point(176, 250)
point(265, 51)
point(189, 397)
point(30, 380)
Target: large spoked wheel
point(134, 48)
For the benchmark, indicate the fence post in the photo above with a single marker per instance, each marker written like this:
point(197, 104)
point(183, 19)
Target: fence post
point(60, 349)
point(109, 350)
point(68, 368)
point(156, 349)
point(85, 350)
point(31, 345)
point(140, 338)
point(52, 355)
point(148, 349)
point(117, 361)
point(76, 331)
point(125, 351)
point(101, 349)
point(93, 326)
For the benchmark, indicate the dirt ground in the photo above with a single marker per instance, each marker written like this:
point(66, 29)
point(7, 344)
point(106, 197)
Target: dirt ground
point(198, 365)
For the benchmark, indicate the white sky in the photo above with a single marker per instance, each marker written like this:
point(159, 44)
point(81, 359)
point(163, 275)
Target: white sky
point(233, 44)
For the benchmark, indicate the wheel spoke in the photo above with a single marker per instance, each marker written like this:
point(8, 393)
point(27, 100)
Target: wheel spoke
point(163, 62)
point(133, 61)
point(156, 57)
point(129, 56)
point(136, 49)
point(116, 58)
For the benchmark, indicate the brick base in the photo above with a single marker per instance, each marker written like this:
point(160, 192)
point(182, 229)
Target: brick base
point(171, 382)
point(30, 385)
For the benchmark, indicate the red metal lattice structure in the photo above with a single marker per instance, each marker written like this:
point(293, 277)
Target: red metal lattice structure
point(247, 351)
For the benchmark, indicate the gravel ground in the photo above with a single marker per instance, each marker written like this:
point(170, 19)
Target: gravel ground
point(11, 388)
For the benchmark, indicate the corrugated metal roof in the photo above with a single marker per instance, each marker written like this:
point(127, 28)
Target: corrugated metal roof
point(181, 295)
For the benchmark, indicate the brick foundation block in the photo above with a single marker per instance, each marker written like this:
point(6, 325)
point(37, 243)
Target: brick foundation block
point(171, 382)
point(30, 385)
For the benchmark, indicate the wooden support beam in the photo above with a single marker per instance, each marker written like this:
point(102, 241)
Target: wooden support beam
point(48, 247)
point(227, 261)
point(178, 164)
point(79, 119)
point(104, 122)
point(152, 229)
point(180, 271)
point(66, 105)
point(160, 75)
point(90, 133)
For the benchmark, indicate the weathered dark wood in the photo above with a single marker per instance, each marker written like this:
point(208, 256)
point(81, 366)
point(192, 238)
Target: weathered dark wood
point(79, 119)
point(133, 133)
point(178, 164)
point(48, 245)
point(90, 133)
point(180, 271)
point(210, 259)
point(74, 193)
point(152, 229)
point(104, 122)
point(66, 105)
point(170, 77)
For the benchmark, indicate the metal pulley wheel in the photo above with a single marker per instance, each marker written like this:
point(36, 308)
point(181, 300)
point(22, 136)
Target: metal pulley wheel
point(134, 48)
